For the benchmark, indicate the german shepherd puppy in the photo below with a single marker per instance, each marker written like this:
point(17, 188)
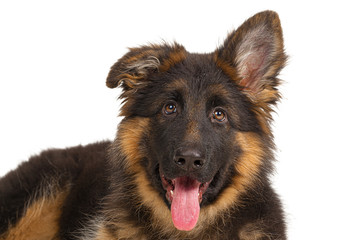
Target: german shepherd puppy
point(191, 158)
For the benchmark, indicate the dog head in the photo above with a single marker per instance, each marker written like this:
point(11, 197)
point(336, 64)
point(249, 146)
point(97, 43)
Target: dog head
point(196, 129)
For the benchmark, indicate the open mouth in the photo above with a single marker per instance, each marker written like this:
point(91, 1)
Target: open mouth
point(186, 183)
point(185, 195)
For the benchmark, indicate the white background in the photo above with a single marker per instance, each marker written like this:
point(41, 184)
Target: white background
point(55, 56)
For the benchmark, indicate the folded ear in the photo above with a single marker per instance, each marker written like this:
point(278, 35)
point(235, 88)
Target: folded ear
point(253, 56)
point(134, 68)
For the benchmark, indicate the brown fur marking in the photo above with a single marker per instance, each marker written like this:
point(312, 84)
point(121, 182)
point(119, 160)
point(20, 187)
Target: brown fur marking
point(40, 221)
point(123, 231)
point(247, 168)
point(228, 69)
point(253, 231)
point(131, 133)
point(174, 58)
point(103, 234)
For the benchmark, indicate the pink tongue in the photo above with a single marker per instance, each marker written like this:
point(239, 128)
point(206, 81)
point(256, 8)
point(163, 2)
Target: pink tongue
point(185, 206)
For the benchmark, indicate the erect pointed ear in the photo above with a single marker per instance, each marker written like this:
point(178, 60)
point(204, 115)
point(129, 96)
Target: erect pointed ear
point(253, 56)
point(133, 69)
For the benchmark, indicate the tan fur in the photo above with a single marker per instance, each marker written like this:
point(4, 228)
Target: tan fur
point(253, 231)
point(103, 234)
point(122, 231)
point(179, 84)
point(174, 58)
point(247, 167)
point(264, 109)
point(141, 55)
point(40, 221)
point(226, 67)
point(130, 135)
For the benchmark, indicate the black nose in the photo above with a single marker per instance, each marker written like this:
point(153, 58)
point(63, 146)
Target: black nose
point(189, 159)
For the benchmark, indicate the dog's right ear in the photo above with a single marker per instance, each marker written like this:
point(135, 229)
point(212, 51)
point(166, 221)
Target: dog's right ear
point(134, 68)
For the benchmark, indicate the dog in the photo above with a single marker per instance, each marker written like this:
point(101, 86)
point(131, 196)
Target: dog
point(191, 158)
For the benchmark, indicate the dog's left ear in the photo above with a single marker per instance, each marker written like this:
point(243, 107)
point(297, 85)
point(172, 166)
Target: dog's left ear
point(253, 56)
point(133, 70)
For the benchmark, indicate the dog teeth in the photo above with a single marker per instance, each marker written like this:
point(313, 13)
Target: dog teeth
point(171, 192)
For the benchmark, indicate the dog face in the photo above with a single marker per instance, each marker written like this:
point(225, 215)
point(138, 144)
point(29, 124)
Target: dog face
point(199, 123)
point(194, 120)
point(195, 113)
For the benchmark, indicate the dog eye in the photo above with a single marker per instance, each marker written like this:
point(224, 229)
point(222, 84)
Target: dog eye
point(219, 115)
point(169, 108)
